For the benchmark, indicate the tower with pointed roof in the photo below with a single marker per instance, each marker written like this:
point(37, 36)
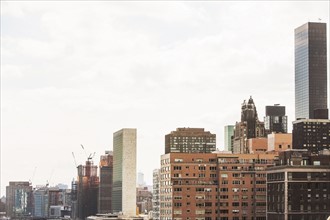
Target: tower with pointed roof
point(248, 127)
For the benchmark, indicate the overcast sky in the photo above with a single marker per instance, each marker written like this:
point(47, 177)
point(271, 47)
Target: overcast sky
point(75, 72)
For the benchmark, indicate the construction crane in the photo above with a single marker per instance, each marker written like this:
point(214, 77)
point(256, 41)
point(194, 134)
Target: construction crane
point(74, 158)
point(90, 156)
point(51, 175)
point(34, 172)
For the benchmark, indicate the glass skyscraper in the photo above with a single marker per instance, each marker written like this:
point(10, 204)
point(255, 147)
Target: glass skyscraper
point(229, 133)
point(311, 71)
point(276, 120)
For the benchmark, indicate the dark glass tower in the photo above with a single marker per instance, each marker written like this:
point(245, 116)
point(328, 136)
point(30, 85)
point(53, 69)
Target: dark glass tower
point(276, 120)
point(311, 71)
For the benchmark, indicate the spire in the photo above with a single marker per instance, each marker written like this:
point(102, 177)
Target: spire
point(250, 100)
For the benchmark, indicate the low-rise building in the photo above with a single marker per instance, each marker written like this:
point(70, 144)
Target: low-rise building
point(143, 200)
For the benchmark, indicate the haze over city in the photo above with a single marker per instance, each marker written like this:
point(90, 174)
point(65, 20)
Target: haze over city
point(75, 72)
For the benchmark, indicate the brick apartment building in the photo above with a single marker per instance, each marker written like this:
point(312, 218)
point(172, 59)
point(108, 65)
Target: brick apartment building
point(221, 186)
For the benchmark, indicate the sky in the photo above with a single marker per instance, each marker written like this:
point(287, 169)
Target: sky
point(75, 72)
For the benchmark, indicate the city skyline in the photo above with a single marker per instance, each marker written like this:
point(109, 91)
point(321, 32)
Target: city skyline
point(75, 72)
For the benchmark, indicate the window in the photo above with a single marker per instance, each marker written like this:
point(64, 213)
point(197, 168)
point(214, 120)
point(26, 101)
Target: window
point(177, 167)
point(201, 168)
point(236, 174)
point(213, 168)
point(177, 204)
point(236, 182)
point(208, 204)
point(199, 204)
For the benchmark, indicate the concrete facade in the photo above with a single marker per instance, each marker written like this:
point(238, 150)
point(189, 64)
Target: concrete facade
point(124, 175)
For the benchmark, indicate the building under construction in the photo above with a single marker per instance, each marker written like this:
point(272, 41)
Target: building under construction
point(87, 190)
point(105, 188)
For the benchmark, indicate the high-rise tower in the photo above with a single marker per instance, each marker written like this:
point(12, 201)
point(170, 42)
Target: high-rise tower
point(276, 120)
point(311, 71)
point(124, 172)
point(87, 189)
point(229, 135)
point(248, 127)
point(105, 188)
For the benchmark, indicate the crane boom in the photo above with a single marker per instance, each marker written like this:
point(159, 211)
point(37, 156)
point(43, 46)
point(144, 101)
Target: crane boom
point(74, 158)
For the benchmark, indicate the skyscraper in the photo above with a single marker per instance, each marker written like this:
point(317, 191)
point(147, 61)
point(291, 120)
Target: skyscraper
point(105, 188)
point(124, 172)
point(190, 140)
point(229, 135)
point(276, 120)
point(248, 127)
point(87, 189)
point(311, 71)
